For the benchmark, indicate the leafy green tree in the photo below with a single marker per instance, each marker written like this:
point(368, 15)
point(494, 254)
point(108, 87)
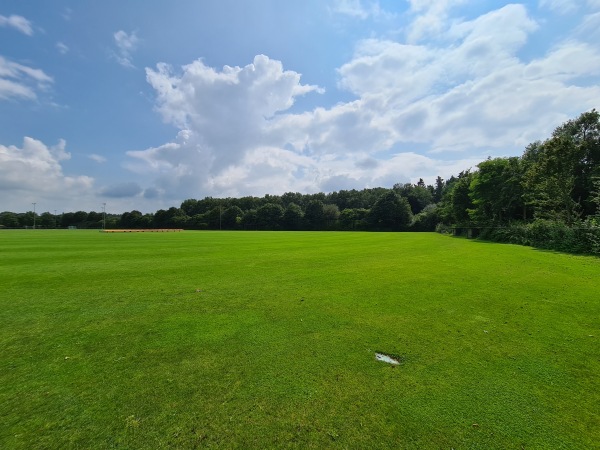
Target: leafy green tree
point(459, 199)
point(354, 218)
point(293, 217)
point(250, 220)
point(292, 197)
point(231, 217)
point(131, 219)
point(171, 218)
point(418, 195)
point(426, 220)
point(496, 191)
point(560, 171)
point(331, 214)
point(190, 207)
point(9, 220)
point(314, 214)
point(390, 213)
point(438, 189)
point(46, 220)
point(269, 216)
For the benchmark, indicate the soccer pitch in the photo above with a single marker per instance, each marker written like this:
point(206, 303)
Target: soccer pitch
point(269, 340)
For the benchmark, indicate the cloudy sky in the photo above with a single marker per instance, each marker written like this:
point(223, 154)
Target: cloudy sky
point(141, 105)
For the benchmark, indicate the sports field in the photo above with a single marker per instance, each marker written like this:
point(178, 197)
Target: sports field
point(268, 340)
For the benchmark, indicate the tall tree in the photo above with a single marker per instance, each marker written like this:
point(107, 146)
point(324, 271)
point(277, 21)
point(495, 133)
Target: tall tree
point(293, 217)
point(496, 191)
point(390, 213)
point(231, 218)
point(314, 214)
point(269, 216)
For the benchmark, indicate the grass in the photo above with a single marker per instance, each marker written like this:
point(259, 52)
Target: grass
point(268, 340)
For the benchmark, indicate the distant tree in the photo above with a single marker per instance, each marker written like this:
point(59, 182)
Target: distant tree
point(130, 219)
point(459, 199)
point(190, 207)
point(560, 172)
point(496, 191)
point(269, 216)
point(354, 218)
point(292, 197)
point(146, 221)
point(331, 213)
point(80, 217)
point(9, 220)
point(248, 203)
point(438, 189)
point(293, 217)
point(250, 220)
point(314, 214)
point(46, 220)
point(426, 220)
point(390, 213)
point(231, 218)
point(418, 195)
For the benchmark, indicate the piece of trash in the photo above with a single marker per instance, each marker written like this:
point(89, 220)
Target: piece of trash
point(485, 331)
point(387, 358)
point(475, 425)
point(198, 290)
point(66, 357)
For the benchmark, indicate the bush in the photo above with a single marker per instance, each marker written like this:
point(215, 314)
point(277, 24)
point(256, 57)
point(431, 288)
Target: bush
point(443, 228)
point(550, 235)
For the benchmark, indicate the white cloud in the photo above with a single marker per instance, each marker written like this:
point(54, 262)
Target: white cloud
point(562, 6)
point(34, 173)
point(21, 81)
point(98, 158)
point(19, 23)
point(126, 45)
point(415, 106)
point(475, 93)
point(62, 48)
point(358, 9)
point(431, 18)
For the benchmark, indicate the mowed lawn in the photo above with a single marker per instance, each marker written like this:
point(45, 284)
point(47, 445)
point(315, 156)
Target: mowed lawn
point(268, 340)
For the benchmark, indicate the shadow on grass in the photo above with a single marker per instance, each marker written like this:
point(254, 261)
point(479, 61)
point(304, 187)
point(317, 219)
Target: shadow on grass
point(537, 249)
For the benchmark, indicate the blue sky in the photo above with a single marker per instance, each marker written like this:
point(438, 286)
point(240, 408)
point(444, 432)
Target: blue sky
point(141, 105)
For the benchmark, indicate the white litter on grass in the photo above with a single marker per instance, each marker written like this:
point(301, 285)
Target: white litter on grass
point(386, 358)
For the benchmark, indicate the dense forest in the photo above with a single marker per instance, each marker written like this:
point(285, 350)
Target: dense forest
point(549, 197)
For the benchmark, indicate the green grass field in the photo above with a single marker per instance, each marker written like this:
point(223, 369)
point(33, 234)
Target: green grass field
point(268, 340)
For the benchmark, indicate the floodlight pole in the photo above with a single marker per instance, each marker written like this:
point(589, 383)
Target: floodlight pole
point(55, 219)
point(103, 216)
point(33, 215)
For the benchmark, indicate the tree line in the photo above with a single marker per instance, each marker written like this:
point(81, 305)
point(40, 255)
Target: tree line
point(548, 197)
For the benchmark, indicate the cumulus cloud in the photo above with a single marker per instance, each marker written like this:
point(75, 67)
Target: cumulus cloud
point(126, 45)
point(222, 115)
point(34, 172)
point(98, 158)
point(21, 81)
point(19, 23)
point(62, 48)
point(419, 104)
point(431, 18)
point(358, 9)
point(561, 6)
